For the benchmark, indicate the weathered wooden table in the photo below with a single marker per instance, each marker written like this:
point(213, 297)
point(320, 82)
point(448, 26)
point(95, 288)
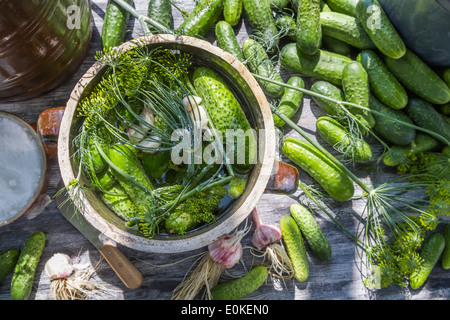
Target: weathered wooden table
point(338, 279)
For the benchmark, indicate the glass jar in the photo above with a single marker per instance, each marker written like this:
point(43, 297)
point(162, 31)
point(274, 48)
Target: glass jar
point(42, 42)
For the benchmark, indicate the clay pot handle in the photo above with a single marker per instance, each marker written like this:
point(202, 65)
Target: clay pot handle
point(284, 180)
point(47, 128)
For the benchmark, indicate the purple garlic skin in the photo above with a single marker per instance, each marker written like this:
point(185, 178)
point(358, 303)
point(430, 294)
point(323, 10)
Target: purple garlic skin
point(226, 251)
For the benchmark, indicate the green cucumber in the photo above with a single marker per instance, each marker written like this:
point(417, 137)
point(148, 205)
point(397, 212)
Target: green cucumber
point(383, 83)
point(323, 65)
point(309, 30)
point(329, 90)
point(232, 11)
point(155, 164)
point(446, 77)
point(291, 101)
point(241, 287)
point(430, 253)
point(25, 269)
point(426, 116)
point(399, 154)
point(279, 5)
point(8, 259)
point(128, 170)
point(287, 27)
point(340, 138)
point(336, 46)
point(119, 202)
point(201, 19)
point(295, 247)
point(225, 113)
point(355, 84)
point(263, 23)
point(343, 6)
point(345, 28)
point(445, 109)
point(160, 11)
point(258, 62)
point(331, 178)
point(324, 7)
point(390, 129)
point(312, 232)
point(446, 253)
point(115, 25)
point(418, 77)
point(237, 186)
point(226, 40)
point(380, 29)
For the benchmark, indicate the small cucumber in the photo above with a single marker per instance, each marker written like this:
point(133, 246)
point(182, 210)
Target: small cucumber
point(291, 101)
point(426, 116)
point(446, 253)
point(202, 18)
point(258, 62)
point(237, 186)
point(295, 247)
point(336, 46)
point(241, 287)
point(323, 65)
point(340, 138)
point(345, 28)
point(383, 83)
point(131, 175)
point(226, 40)
point(355, 83)
point(418, 77)
point(225, 113)
point(330, 177)
point(279, 5)
point(232, 11)
point(115, 25)
point(390, 129)
point(430, 253)
point(331, 91)
point(312, 232)
point(25, 269)
point(263, 23)
point(8, 259)
point(343, 6)
point(309, 30)
point(446, 77)
point(380, 29)
point(399, 154)
point(120, 202)
point(286, 25)
point(160, 11)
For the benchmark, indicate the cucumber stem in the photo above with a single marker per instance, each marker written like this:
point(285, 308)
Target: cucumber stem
point(318, 95)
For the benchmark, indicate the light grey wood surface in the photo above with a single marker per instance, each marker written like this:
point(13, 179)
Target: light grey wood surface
point(338, 279)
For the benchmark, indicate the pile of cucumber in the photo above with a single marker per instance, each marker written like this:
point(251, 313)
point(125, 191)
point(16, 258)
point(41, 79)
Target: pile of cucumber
point(356, 55)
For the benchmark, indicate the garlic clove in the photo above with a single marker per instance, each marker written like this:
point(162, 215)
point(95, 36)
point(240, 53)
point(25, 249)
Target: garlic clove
point(150, 143)
point(59, 266)
point(191, 102)
point(147, 119)
point(200, 117)
point(135, 135)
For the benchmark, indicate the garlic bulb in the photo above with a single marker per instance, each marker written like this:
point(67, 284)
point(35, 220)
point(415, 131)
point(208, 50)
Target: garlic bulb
point(264, 234)
point(135, 135)
point(59, 266)
point(199, 116)
point(227, 250)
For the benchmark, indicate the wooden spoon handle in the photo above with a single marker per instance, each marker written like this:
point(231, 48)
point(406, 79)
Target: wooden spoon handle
point(125, 270)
